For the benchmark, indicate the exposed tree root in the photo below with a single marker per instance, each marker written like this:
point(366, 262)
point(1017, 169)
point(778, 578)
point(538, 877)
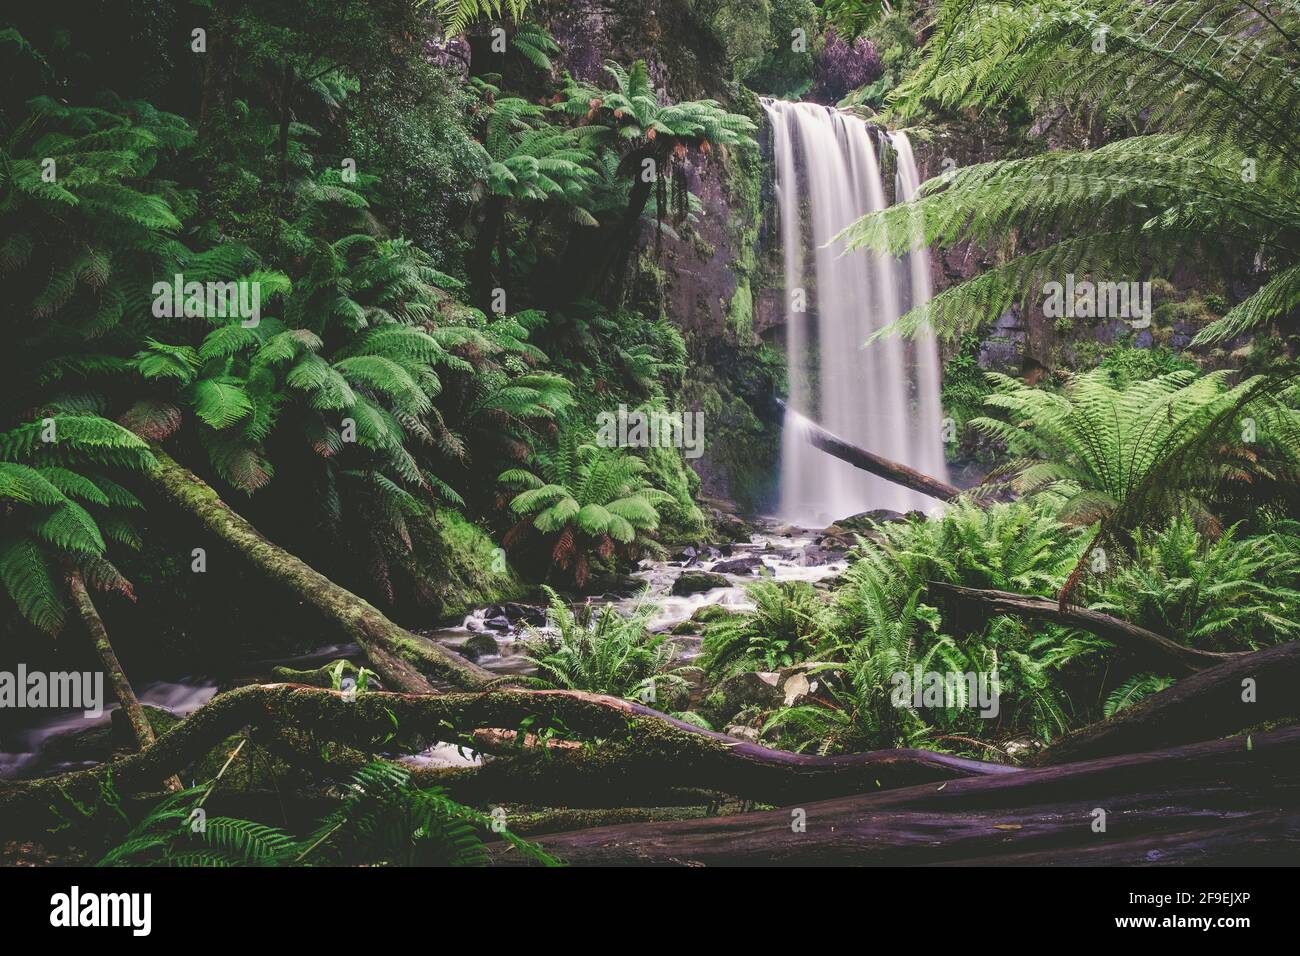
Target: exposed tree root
point(405, 661)
point(1148, 645)
point(1211, 802)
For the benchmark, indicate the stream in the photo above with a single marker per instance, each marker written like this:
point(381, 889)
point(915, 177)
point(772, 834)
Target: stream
point(780, 552)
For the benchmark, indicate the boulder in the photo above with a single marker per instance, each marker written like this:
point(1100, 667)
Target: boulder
point(747, 564)
point(709, 614)
point(766, 690)
point(480, 645)
point(527, 613)
point(694, 582)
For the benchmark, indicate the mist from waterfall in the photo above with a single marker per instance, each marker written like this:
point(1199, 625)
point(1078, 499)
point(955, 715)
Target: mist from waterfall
point(884, 397)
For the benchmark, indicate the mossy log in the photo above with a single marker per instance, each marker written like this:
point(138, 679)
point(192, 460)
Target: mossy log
point(1249, 690)
point(1149, 646)
point(638, 751)
point(404, 661)
point(1212, 802)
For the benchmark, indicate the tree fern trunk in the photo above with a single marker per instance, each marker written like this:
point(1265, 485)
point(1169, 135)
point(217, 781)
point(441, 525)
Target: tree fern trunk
point(405, 661)
point(494, 217)
point(141, 729)
point(286, 93)
point(214, 101)
point(624, 244)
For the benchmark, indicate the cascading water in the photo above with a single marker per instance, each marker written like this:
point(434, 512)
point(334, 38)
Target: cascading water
point(884, 397)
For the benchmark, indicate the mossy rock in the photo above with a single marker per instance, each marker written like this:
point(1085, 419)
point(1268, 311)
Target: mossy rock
point(695, 582)
point(480, 645)
point(711, 614)
point(762, 690)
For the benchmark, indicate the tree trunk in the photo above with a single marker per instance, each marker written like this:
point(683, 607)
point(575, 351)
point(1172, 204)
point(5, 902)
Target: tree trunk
point(1213, 802)
point(218, 73)
point(405, 661)
point(493, 223)
point(629, 228)
point(286, 96)
point(1154, 648)
point(1208, 704)
point(638, 750)
point(141, 730)
point(870, 462)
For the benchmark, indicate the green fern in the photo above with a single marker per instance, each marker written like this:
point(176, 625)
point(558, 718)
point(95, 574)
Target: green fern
point(1209, 86)
point(604, 652)
point(1134, 689)
point(382, 819)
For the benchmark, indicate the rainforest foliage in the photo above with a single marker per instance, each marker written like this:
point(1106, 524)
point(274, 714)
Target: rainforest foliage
point(371, 280)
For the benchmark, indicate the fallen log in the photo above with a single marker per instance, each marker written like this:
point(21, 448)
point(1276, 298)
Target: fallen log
point(869, 461)
point(1211, 802)
point(638, 751)
point(1246, 691)
point(1156, 648)
point(404, 661)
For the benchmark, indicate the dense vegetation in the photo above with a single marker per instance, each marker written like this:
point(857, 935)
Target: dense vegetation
point(431, 283)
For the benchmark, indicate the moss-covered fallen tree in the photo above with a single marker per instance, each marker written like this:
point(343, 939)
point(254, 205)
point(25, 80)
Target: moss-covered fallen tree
point(633, 750)
point(1212, 802)
point(578, 750)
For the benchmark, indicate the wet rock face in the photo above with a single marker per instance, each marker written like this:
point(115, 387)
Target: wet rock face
point(693, 277)
point(681, 53)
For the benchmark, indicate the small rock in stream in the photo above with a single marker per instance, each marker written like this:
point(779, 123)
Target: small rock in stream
point(693, 582)
point(480, 645)
point(744, 565)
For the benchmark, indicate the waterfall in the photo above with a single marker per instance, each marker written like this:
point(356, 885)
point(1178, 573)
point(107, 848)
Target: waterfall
point(884, 397)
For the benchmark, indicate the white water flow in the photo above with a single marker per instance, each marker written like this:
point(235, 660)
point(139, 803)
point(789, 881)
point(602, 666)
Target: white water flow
point(883, 397)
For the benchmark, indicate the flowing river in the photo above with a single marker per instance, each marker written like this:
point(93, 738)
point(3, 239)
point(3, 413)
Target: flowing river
point(51, 743)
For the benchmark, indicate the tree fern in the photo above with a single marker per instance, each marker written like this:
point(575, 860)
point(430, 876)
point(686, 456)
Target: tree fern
point(1133, 456)
point(458, 14)
point(1209, 86)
